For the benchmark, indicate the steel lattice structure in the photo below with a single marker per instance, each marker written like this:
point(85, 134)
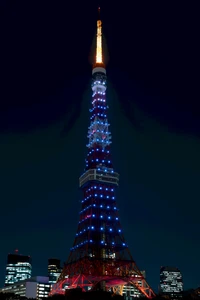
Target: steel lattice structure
point(100, 257)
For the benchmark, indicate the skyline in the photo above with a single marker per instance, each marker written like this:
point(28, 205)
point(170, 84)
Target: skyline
point(39, 142)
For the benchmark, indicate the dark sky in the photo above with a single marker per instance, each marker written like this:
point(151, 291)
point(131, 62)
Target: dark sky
point(153, 95)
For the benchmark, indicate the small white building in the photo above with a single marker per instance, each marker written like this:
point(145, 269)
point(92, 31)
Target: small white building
point(35, 287)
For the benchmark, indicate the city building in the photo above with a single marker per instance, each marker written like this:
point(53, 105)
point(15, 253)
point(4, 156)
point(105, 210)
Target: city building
point(54, 270)
point(130, 291)
point(171, 282)
point(18, 268)
point(35, 288)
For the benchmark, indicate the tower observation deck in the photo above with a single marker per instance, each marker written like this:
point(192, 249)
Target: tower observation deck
point(99, 257)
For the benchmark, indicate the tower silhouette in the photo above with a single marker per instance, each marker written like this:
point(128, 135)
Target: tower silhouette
point(100, 258)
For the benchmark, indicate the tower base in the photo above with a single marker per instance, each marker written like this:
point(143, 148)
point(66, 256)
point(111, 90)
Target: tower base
point(86, 274)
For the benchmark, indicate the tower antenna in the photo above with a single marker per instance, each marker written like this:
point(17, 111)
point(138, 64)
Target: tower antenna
point(99, 53)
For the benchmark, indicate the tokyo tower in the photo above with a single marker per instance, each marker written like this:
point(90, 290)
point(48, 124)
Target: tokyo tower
point(100, 258)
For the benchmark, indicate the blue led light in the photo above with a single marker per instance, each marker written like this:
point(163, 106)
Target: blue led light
point(119, 230)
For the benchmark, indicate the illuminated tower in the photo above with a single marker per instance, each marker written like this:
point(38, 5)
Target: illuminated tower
point(99, 258)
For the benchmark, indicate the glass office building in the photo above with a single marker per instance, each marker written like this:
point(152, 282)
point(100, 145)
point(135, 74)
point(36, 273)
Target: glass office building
point(54, 270)
point(18, 268)
point(171, 282)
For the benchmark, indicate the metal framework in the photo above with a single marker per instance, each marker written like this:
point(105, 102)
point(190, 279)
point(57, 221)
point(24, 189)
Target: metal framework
point(99, 257)
point(90, 273)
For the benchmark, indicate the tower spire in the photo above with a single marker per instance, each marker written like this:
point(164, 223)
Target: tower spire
point(99, 58)
point(99, 46)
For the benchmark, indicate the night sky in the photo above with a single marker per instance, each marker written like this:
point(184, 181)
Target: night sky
point(153, 95)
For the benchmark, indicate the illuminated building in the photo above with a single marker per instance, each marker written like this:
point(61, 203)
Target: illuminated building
point(130, 291)
point(36, 288)
point(18, 268)
point(171, 282)
point(100, 257)
point(54, 270)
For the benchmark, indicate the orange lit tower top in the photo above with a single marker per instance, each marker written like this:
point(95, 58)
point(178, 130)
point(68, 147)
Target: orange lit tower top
point(99, 64)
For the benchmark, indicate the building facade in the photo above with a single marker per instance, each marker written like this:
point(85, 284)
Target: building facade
point(18, 268)
point(171, 282)
point(130, 291)
point(54, 270)
point(35, 288)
